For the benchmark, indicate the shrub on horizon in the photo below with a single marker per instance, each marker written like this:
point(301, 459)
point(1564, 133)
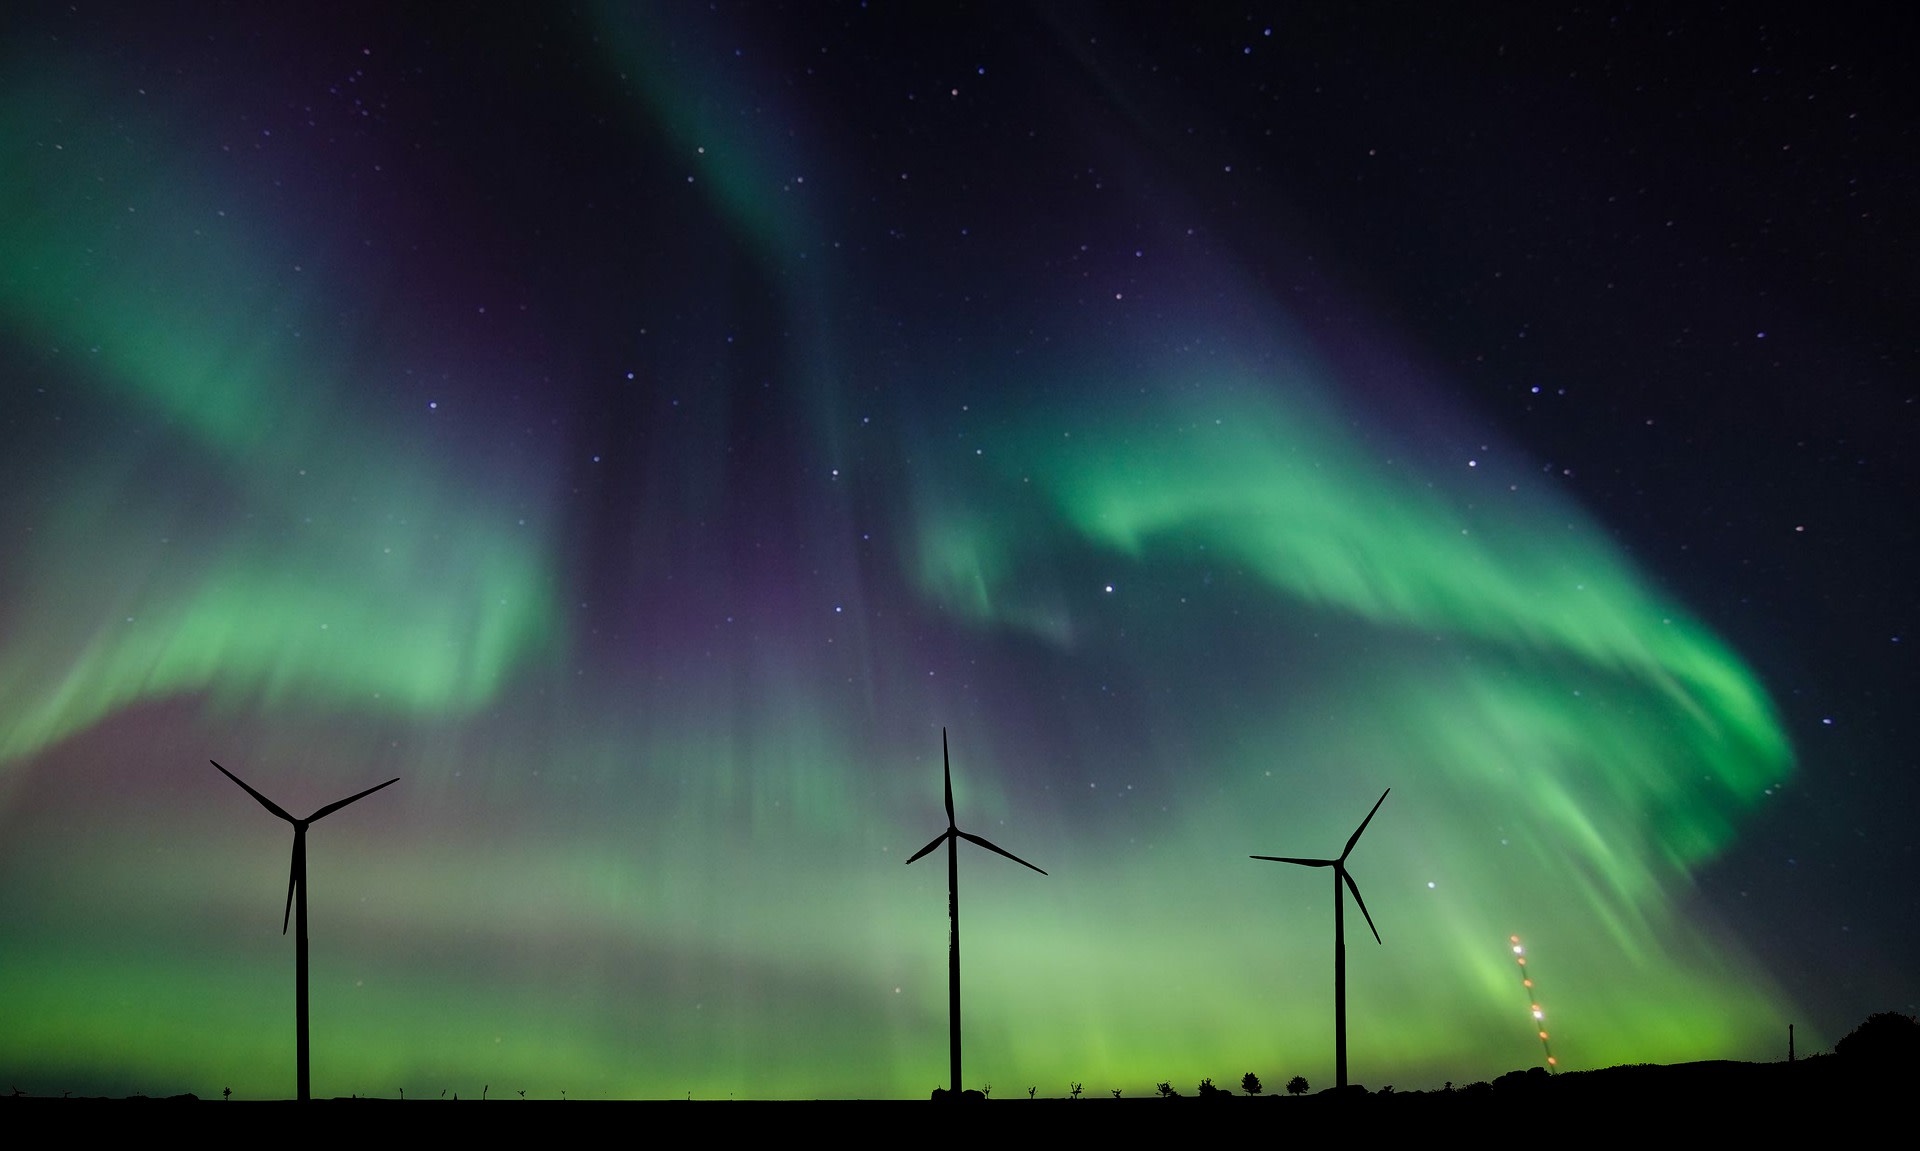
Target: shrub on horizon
point(1887, 1038)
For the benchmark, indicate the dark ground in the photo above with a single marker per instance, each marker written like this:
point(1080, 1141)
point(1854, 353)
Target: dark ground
point(1711, 1099)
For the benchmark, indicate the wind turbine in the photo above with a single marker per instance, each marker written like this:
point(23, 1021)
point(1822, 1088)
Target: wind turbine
point(1340, 875)
point(953, 835)
point(297, 882)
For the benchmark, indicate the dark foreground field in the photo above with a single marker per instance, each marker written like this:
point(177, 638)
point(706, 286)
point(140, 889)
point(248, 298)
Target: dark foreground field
point(1661, 1102)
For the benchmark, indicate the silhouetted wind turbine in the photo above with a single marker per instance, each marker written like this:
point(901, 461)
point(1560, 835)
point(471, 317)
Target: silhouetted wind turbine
point(1339, 935)
point(953, 835)
point(297, 883)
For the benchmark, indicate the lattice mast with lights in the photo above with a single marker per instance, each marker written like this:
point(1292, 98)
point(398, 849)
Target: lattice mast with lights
point(1533, 1002)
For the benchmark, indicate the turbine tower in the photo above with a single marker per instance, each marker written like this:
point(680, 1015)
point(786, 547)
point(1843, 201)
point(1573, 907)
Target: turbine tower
point(1340, 876)
point(297, 904)
point(953, 835)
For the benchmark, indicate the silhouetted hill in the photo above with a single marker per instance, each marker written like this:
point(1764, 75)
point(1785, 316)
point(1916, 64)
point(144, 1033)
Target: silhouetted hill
point(1709, 1097)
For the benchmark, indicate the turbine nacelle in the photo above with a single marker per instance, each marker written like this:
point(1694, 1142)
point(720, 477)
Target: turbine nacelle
point(297, 872)
point(1340, 865)
point(952, 830)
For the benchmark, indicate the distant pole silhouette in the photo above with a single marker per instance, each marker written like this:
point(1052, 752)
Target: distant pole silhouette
point(952, 835)
point(297, 907)
point(1340, 876)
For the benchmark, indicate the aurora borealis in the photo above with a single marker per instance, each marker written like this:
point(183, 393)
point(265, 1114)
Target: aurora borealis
point(641, 429)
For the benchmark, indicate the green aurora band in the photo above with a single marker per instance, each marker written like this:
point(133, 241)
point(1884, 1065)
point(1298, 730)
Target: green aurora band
point(681, 874)
point(117, 256)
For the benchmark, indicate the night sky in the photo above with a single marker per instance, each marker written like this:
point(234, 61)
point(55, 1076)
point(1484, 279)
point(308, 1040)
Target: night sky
point(642, 430)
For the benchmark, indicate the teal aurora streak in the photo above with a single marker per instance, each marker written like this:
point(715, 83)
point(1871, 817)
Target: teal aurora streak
point(1168, 632)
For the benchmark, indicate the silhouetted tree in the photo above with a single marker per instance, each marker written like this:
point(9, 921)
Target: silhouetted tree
point(1075, 1092)
point(1886, 1039)
point(1207, 1089)
point(1533, 1078)
point(1167, 1092)
point(1030, 1091)
point(1250, 1083)
point(1116, 1093)
point(227, 1094)
point(1297, 1085)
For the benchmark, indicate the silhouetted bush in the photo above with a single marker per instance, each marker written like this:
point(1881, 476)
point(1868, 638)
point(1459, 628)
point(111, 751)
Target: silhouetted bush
point(1167, 1092)
point(1527, 1080)
point(1885, 1039)
point(1250, 1083)
point(941, 1095)
point(1297, 1085)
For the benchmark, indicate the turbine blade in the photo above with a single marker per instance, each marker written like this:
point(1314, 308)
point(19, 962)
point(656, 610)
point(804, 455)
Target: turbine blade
point(338, 804)
point(947, 764)
point(1363, 827)
point(1301, 862)
point(1355, 888)
point(293, 877)
point(990, 847)
point(937, 841)
point(264, 801)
